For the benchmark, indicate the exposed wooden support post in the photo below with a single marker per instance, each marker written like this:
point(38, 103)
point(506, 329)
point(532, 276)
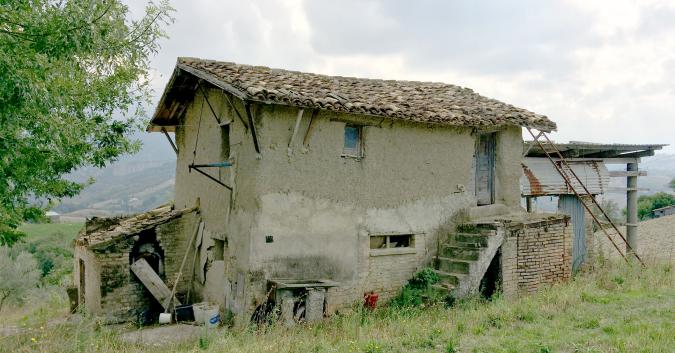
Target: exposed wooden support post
point(632, 208)
point(206, 98)
point(305, 140)
point(173, 145)
point(236, 111)
point(298, 119)
point(528, 203)
point(247, 107)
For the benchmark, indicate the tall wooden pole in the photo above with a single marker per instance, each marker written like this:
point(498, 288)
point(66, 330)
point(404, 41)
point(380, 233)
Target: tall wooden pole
point(632, 208)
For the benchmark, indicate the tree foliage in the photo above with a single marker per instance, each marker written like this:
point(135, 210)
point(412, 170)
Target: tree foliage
point(74, 78)
point(648, 203)
point(18, 275)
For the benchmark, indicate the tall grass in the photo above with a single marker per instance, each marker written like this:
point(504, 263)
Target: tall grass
point(613, 308)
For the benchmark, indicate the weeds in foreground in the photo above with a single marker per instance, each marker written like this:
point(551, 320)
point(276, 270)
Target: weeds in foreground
point(614, 308)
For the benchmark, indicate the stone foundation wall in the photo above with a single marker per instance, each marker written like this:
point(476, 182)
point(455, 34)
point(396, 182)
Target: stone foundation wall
point(536, 255)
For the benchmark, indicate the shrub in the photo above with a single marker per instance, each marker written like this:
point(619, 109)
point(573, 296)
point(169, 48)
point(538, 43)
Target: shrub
point(646, 204)
point(419, 290)
point(17, 275)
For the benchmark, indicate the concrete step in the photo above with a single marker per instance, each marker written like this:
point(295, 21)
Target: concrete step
point(466, 245)
point(449, 277)
point(471, 238)
point(452, 265)
point(458, 252)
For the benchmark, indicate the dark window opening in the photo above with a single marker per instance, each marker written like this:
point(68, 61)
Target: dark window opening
point(82, 282)
point(353, 141)
point(218, 249)
point(392, 241)
point(225, 142)
point(492, 280)
point(147, 248)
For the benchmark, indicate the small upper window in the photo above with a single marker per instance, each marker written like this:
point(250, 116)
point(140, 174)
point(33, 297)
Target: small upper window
point(353, 146)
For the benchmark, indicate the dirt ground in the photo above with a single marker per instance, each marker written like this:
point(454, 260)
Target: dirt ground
point(163, 335)
point(656, 240)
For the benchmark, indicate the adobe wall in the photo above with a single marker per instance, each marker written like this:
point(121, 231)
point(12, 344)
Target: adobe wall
point(92, 279)
point(536, 254)
point(227, 215)
point(320, 208)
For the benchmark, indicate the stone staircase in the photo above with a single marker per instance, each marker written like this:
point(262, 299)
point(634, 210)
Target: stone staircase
point(463, 259)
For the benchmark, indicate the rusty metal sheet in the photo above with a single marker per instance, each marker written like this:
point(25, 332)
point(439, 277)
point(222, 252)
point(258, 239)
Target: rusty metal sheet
point(540, 177)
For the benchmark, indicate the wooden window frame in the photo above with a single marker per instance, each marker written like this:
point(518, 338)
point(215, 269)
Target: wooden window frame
point(388, 250)
point(360, 146)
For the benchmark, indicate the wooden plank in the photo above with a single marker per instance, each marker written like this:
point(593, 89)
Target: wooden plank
point(198, 228)
point(152, 282)
point(305, 140)
point(619, 189)
point(625, 173)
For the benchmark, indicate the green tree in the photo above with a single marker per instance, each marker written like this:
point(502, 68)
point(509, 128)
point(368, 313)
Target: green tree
point(74, 77)
point(646, 204)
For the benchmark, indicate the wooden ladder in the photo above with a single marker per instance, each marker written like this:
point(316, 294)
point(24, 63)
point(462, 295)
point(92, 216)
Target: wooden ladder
point(566, 172)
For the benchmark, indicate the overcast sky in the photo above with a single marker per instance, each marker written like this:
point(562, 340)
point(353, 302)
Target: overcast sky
point(603, 70)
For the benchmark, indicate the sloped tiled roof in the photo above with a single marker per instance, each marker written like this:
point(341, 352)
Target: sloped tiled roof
point(427, 102)
point(110, 230)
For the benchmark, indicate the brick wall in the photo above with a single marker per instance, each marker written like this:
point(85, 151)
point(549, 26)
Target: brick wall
point(123, 297)
point(383, 272)
point(536, 255)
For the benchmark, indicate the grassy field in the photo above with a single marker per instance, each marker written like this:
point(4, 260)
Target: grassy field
point(54, 235)
point(613, 308)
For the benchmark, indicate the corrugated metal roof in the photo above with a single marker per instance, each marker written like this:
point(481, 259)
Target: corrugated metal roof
point(576, 149)
point(540, 178)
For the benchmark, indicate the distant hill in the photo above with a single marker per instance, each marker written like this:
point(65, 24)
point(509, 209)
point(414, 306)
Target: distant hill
point(134, 184)
point(660, 171)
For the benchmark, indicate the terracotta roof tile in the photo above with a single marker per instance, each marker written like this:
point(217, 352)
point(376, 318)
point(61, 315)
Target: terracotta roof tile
point(428, 102)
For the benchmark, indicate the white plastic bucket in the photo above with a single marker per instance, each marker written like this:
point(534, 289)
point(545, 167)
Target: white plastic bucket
point(164, 318)
point(211, 315)
point(198, 311)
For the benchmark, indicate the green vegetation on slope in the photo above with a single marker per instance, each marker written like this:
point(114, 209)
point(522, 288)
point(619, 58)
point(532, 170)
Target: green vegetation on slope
point(52, 246)
point(614, 308)
point(646, 204)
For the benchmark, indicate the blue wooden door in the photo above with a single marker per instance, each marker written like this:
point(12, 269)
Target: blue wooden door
point(485, 169)
point(571, 205)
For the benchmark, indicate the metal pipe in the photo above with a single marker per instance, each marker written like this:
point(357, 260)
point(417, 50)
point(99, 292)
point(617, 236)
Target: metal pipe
point(632, 209)
point(212, 178)
point(211, 165)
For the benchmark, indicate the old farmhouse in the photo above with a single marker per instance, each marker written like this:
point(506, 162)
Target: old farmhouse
point(307, 191)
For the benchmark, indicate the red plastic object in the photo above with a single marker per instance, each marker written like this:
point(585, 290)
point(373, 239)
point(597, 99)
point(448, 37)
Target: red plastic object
point(370, 300)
